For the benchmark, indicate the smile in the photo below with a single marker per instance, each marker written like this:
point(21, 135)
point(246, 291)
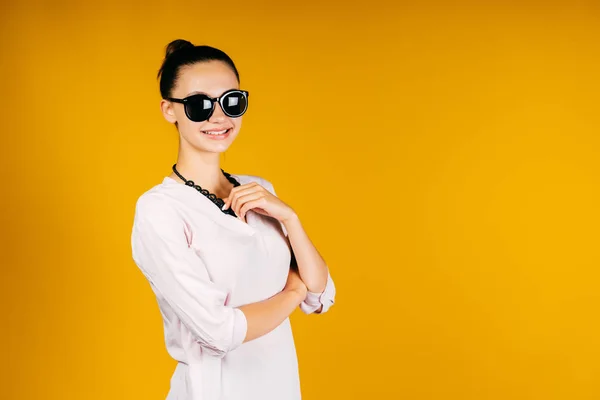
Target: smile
point(217, 133)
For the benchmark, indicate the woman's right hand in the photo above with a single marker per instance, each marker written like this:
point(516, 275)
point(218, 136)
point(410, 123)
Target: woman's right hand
point(294, 283)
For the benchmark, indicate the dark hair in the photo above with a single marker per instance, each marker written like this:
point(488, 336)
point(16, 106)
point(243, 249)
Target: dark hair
point(180, 53)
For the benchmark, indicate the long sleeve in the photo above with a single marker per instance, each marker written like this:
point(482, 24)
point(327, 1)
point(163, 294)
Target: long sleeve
point(313, 300)
point(161, 251)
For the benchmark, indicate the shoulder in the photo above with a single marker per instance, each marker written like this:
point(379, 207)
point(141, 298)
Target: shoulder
point(153, 204)
point(166, 194)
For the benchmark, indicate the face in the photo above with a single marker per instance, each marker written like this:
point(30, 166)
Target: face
point(212, 78)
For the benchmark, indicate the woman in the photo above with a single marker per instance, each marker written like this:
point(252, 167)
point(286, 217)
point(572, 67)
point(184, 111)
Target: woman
point(226, 258)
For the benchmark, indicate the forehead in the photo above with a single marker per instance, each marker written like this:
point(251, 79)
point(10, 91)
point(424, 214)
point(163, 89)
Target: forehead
point(212, 78)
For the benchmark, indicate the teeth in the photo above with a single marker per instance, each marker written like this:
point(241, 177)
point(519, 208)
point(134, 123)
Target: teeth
point(215, 132)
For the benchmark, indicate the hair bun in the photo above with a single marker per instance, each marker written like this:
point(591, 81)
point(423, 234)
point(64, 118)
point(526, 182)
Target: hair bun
point(178, 44)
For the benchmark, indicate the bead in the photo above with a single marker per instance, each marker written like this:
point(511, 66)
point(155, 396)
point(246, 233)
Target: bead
point(211, 196)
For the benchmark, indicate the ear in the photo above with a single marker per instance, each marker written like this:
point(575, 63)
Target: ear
point(168, 112)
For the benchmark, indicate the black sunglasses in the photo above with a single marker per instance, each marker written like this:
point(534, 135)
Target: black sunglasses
point(199, 107)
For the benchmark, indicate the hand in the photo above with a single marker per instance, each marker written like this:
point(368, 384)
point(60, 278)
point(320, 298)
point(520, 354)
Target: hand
point(295, 283)
point(253, 196)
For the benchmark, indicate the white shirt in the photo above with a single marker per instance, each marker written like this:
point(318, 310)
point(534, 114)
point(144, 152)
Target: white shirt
point(202, 263)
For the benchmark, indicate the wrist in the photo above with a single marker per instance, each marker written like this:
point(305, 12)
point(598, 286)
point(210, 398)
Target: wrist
point(290, 218)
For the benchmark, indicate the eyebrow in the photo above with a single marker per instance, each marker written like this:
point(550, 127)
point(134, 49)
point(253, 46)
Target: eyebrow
point(204, 93)
point(196, 92)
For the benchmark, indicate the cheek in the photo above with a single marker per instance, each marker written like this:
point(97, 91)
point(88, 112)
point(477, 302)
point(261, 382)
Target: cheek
point(237, 123)
point(189, 129)
point(188, 126)
point(182, 119)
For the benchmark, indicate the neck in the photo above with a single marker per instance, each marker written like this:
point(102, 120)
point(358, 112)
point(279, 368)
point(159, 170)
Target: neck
point(202, 168)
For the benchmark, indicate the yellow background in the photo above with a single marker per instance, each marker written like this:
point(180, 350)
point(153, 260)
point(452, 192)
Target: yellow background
point(444, 158)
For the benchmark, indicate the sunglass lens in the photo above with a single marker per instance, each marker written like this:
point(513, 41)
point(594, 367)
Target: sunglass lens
point(235, 104)
point(198, 108)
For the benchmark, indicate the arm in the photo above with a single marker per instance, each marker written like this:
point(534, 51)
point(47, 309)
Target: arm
point(266, 315)
point(312, 267)
point(178, 275)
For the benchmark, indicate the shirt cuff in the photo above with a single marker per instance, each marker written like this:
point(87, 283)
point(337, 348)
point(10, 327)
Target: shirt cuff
point(240, 328)
point(314, 301)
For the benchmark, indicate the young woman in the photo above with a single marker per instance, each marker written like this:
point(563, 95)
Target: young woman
point(226, 258)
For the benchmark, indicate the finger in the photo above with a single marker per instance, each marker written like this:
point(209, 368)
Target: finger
point(231, 195)
point(241, 201)
point(245, 203)
point(236, 204)
point(226, 202)
point(239, 194)
point(250, 202)
point(237, 190)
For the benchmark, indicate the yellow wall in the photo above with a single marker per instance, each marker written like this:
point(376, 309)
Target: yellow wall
point(444, 157)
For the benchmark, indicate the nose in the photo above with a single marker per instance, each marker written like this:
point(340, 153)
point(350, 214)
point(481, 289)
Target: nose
point(217, 115)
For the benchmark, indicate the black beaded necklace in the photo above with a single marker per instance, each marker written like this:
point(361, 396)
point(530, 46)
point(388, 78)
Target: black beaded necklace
point(211, 196)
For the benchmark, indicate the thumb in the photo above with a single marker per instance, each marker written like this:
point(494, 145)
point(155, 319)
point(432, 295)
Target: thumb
point(226, 204)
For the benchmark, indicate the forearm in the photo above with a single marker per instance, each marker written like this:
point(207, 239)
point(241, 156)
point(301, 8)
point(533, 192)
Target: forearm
point(266, 315)
point(311, 266)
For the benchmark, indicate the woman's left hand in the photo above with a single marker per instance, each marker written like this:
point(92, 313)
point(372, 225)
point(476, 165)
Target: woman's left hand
point(253, 196)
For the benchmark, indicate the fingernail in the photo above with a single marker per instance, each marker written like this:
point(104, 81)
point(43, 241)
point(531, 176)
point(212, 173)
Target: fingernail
point(223, 208)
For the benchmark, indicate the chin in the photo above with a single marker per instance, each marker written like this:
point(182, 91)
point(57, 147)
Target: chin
point(214, 147)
